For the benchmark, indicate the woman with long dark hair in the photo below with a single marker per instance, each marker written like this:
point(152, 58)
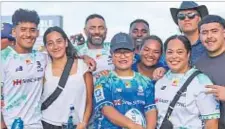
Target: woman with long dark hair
point(76, 98)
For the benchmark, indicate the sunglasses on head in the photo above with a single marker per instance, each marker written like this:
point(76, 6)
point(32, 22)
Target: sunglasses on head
point(182, 16)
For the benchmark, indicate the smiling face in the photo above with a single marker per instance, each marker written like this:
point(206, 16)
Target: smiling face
point(25, 34)
point(188, 25)
point(212, 36)
point(56, 45)
point(95, 31)
point(177, 56)
point(122, 59)
point(150, 52)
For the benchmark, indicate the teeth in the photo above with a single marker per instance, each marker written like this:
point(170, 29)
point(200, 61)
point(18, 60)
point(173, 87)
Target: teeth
point(174, 62)
point(123, 62)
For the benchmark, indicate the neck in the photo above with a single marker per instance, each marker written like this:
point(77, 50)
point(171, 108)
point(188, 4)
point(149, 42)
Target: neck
point(21, 50)
point(60, 61)
point(92, 46)
point(184, 70)
point(192, 36)
point(218, 52)
point(124, 73)
point(146, 70)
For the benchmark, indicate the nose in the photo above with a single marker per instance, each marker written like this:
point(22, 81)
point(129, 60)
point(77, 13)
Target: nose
point(209, 35)
point(28, 33)
point(96, 31)
point(139, 34)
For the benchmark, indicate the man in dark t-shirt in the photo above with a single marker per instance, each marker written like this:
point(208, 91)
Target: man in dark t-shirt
point(212, 35)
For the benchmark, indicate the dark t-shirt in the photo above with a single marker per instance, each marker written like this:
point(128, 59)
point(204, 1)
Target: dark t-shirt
point(214, 67)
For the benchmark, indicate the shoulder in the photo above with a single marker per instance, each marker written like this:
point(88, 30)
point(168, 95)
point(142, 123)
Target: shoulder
point(144, 80)
point(6, 53)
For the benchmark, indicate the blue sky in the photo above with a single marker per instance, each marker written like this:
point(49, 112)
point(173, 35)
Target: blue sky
point(118, 15)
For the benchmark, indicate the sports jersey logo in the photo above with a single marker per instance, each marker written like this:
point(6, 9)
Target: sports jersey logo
point(20, 68)
point(163, 88)
point(39, 68)
point(21, 81)
point(17, 82)
point(175, 82)
point(117, 102)
point(98, 55)
point(28, 61)
point(98, 93)
point(127, 84)
point(140, 91)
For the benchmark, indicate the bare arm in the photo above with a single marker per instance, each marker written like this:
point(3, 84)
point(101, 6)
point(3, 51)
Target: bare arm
point(89, 87)
point(151, 118)
point(119, 119)
point(211, 124)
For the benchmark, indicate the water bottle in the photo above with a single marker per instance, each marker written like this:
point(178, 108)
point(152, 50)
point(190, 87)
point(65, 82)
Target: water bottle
point(18, 124)
point(70, 123)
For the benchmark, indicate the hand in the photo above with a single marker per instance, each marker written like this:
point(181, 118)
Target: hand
point(136, 126)
point(77, 39)
point(217, 91)
point(158, 73)
point(81, 125)
point(102, 73)
point(3, 126)
point(90, 62)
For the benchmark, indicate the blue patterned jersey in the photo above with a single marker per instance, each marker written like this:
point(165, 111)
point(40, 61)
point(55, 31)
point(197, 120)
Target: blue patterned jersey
point(132, 97)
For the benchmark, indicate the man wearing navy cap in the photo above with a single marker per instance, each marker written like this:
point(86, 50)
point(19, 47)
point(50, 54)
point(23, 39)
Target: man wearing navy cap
point(6, 35)
point(187, 17)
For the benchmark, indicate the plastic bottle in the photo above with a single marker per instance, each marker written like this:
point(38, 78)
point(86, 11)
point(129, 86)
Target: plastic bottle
point(17, 124)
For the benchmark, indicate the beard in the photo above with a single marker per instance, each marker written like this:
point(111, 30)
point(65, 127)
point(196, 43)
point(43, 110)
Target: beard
point(96, 41)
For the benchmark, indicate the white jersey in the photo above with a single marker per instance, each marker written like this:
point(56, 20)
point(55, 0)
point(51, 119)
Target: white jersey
point(192, 107)
point(22, 79)
point(74, 94)
point(101, 56)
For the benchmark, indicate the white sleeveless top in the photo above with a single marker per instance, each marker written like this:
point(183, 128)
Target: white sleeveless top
point(74, 93)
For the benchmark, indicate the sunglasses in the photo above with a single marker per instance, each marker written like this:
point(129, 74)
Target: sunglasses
point(182, 16)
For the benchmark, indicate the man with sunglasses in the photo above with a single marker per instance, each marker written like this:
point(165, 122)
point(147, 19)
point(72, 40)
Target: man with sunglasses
point(187, 18)
point(6, 36)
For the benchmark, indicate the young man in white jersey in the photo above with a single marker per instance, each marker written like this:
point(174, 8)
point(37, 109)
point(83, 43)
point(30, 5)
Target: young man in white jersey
point(22, 73)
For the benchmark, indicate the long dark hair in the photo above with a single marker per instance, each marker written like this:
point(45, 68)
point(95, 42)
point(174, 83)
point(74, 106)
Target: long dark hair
point(70, 50)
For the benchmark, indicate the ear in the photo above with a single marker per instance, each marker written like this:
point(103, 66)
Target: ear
point(224, 33)
point(38, 32)
point(85, 31)
point(66, 43)
point(14, 32)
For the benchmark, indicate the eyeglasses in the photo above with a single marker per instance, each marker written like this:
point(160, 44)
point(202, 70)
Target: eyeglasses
point(125, 53)
point(182, 16)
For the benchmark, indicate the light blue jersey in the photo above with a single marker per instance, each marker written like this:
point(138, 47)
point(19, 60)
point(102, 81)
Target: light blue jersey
point(132, 97)
point(194, 105)
point(22, 79)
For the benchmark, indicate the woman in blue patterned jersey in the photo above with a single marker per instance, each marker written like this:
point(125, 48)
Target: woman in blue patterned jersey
point(124, 98)
point(150, 53)
point(194, 108)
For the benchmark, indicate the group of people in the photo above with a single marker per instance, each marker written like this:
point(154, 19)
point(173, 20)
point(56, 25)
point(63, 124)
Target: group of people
point(138, 82)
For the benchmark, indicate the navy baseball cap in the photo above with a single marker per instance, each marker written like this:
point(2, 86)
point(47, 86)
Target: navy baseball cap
point(6, 31)
point(121, 40)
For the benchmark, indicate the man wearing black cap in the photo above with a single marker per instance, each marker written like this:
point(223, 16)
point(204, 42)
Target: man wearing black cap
point(212, 36)
point(187, 18)
point(6, 35)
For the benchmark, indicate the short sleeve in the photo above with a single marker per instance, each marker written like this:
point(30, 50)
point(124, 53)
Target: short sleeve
point(102, 94)
point(149, 97)
point(207, 103)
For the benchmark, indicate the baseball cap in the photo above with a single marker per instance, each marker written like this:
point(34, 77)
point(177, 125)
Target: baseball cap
point(210, 19)
point(6, 31)
point(121, 40)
